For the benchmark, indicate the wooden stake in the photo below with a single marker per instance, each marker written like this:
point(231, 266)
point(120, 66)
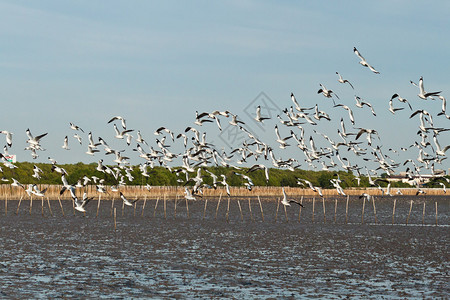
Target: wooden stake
point(112, 205)
point(134, 212)
point(278, 205)
point(324, 215)
point(393, 212)
point(123, 207)
point(409, 213)
point(115, 223)
point(18, 206)
point(423, 214)
point(98, 204)
point(175, 207)
point(240, 210)
point(228, 208)
point(300, 209)
point(250, 208)
point(204, 210)
point(49, 207)
point(60, 205)
point(335, 209)
point(374, 210)
point(261, 208)
point(435, 204)
point(6, 205)
point(42, 205)
point(143, 206)
point(31, 203)
point(346, 210)
point(218, 203)
point(187, 207)
point(362, 213)
point(164, 204)
point(285, 213)
point(314, 200)
point(156, 205)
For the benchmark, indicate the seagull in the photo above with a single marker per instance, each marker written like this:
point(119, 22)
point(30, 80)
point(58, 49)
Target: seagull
point(258, 117)
point(424, 95)
point(124, 125)
point(75, 127)
point(66, 143)
point(360, 104)
point(78, 137)
point(34, 141)
point(260, 167)
point(363, 61)
point(36, 171)
point(326, 93)
point(401, 100)
point(125, 201)
point(350, 112)
point(16, 183)
point(188, 194)
point(392, 109)
point(119, 135)
point(287, 202)
point(8, 137)
point(444, 104)
point(80, 206)
point(341, 80)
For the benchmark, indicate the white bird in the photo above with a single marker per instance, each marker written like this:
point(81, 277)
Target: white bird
point(125, 201)
point(66, 143)
point(120, 134)
point(124, 125)
point(392, 109)
point(8, 137)
point(188, 195)
point(363, 61)
point(81, 207)
point(287, 202)
point(260, 167)
point(422, 94)
point(327, 93)
point(401, 99)
point(258, 117)
point(78, 137)
point(75, 127)
point(342, 80)
point(350, 112)
point(34, 141)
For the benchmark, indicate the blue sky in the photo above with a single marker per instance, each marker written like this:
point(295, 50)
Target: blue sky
point(157, 62)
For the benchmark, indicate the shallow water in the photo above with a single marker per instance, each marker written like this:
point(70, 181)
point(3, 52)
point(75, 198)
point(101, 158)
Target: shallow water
point(152, 256)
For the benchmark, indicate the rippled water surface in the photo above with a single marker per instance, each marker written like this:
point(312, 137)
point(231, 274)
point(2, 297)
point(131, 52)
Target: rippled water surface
point(194, 256)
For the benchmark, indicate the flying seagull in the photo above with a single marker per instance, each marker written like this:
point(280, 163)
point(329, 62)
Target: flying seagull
point(363, 61)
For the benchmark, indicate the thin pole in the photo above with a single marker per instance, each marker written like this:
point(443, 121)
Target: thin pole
point(18, 206)
point(240, 210)
point(31, 203)
point(324, 215)
point(112, 205)
point(49, 207)
point(335, 209)
point(393, 212)
point(134, 211)
point(300, 209)
point(435, 204)
point(175, 207)
point(261, 208)
point(374, 210)
point(423, 214)
point(187, 207)
point(6, 205)
point(362, 213)
point(228, 208)
point(115, 223)
point(278, 205)
point(165, 216)
point(143, 205)
point(346, 210)
point(204, 210)
point(314, 200)
point(285, 213)
point(409, 213)
point(123, 207)
point(156, 205)
point(42, 205)
point(98, 204)
point(60, 205)
point(218, 203)
point(250, 208)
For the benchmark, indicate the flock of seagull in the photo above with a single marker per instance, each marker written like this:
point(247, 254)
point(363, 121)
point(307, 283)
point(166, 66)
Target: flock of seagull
point(198, 153)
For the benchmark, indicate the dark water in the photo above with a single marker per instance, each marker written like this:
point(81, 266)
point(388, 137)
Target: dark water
point(152, 256)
